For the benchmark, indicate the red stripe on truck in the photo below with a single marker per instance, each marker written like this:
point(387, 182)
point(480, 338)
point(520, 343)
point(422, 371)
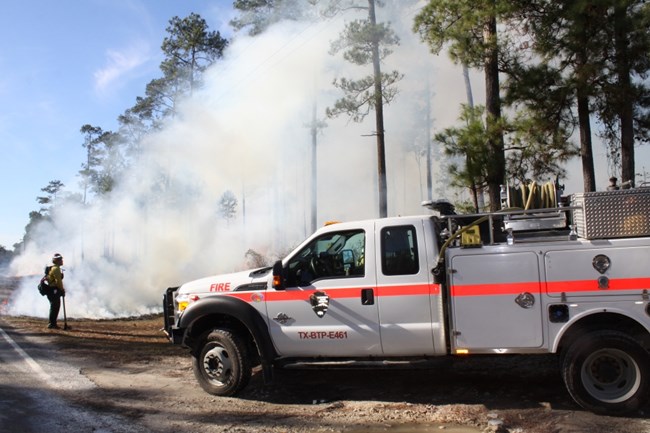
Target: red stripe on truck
point(592, 285)
point(342, 292)
point(491, 289)
point(551, 287)
point(494, 289)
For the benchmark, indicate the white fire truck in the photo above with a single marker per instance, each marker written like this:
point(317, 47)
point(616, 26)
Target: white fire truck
point(571, 280)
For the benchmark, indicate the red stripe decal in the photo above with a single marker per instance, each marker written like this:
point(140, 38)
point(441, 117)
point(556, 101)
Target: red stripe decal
point(551, 287)
point(592, 285)
point(456, 290)
point(343, 292)
point(494, 289)
point(409, 290)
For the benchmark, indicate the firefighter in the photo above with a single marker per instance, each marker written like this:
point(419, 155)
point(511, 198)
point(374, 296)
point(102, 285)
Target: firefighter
point(55, 281)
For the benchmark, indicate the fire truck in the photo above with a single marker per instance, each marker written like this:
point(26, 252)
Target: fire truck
point(571, 279)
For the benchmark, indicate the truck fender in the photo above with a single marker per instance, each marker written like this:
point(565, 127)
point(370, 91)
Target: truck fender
point(603, 318)
point(238, 310)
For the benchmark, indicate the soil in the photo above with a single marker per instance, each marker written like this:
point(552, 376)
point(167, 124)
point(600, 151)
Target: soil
point(140, 375)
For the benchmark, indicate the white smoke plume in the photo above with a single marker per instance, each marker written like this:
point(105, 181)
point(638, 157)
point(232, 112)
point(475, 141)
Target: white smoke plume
point(245, 131)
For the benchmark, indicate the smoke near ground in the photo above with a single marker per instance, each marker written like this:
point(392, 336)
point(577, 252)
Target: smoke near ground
point(246, 132)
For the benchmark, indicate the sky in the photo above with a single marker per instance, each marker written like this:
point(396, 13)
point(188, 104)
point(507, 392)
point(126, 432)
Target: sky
point(67, 63)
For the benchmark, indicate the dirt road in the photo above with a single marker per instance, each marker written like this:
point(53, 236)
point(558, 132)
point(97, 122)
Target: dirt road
point(139, 377)
point(31, 380)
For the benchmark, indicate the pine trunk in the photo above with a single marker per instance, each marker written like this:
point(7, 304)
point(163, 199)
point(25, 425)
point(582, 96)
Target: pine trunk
point(496, 170)
point(586, 151)
point(379, 118)
point(584, 122)
point(624, 107)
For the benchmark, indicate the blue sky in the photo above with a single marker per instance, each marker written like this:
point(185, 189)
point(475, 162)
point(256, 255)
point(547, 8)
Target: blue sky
point(67, 63)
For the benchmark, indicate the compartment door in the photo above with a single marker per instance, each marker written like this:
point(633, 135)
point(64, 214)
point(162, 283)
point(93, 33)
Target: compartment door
point(496, 301)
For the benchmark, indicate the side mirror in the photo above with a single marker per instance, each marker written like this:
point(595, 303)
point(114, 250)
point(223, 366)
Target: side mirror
point(278, 278)
point(348, 257)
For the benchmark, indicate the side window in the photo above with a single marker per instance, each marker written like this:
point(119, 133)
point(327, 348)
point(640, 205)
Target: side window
point(399, 251)
point(334, 255)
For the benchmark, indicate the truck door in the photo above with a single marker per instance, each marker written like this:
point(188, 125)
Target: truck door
point(408, 312)
point(329, 305)
point(496, 301)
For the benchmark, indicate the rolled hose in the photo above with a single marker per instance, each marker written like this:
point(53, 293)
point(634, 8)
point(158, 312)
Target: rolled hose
point(533, 196)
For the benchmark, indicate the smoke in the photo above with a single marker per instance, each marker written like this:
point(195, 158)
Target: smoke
point(246, 132)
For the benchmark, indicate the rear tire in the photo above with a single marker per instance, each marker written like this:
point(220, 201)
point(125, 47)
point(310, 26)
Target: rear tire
point(221, 365)
point(607, 372)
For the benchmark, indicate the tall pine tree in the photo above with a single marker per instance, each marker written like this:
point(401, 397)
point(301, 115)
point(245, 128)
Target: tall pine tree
point(469, 30)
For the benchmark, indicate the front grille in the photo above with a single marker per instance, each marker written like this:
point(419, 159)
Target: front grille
point(169, 313)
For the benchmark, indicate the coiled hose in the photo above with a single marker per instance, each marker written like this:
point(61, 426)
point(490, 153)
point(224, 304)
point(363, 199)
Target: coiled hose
point(532, 196)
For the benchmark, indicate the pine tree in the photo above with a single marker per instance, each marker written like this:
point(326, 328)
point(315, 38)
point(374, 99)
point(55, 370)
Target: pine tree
point(366, 42)
point(469, 30)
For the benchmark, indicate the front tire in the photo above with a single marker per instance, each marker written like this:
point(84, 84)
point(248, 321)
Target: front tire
point(221, 364)
point(607, 372)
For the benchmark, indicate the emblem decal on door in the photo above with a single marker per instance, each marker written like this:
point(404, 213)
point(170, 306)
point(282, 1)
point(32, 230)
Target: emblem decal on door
point(320, 302)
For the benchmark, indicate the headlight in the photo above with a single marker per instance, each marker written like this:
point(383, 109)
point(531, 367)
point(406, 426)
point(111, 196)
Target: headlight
point(184, 300)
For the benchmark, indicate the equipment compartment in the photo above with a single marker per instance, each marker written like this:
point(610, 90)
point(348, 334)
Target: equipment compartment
point(612, 214)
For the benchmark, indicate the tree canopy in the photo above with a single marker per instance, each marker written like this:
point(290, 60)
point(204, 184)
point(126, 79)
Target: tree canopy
point(564, 63)
point(256, 16)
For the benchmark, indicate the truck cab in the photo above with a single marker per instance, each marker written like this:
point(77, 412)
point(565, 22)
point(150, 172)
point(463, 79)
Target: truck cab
point(359, 289)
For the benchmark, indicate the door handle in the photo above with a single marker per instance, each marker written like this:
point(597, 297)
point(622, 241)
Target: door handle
point(367, 296)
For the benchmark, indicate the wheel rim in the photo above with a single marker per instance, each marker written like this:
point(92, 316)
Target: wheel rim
point(611, 375)
point(217, 365)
